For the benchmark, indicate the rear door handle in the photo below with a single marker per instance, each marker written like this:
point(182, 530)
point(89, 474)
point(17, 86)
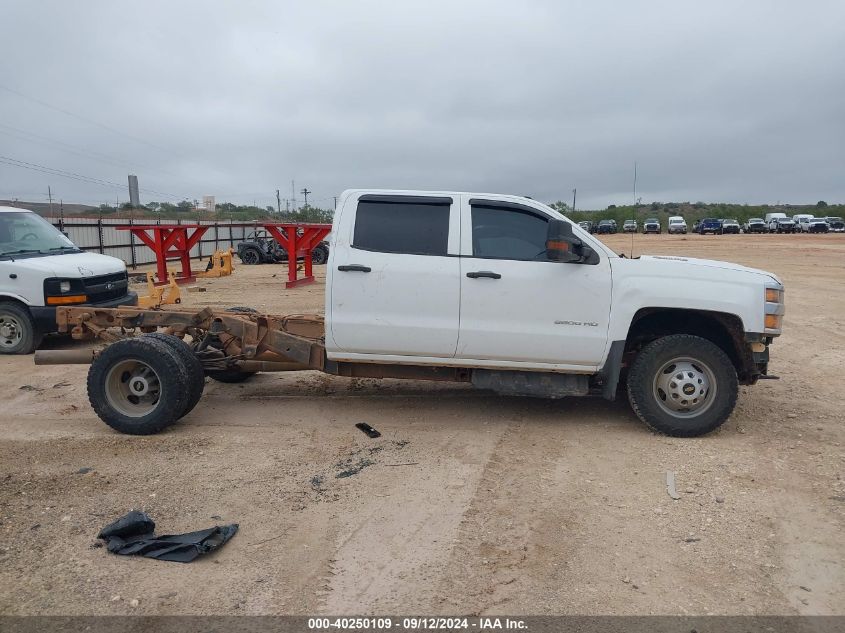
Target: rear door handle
point(354, 268)
point(484, 273)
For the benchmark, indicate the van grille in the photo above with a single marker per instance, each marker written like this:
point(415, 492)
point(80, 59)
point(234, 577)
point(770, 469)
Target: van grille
point(106, 287)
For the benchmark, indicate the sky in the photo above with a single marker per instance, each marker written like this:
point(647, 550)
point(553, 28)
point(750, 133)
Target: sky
point(714, 101)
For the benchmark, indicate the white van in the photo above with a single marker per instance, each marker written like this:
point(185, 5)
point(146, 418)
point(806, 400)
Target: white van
point(677, 224)
point(40, 269)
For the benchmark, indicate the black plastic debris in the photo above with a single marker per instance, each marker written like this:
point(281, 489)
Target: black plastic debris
point(366, 428)
point(133, 535)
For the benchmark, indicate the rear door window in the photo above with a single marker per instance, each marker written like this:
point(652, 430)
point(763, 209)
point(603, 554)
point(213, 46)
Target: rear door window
point(396, 224)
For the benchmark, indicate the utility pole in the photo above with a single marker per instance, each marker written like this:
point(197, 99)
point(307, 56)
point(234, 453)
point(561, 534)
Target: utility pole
point(305, 193)
point(573, 199)
point(293, 196)
point(278, 202)
point(50, 196)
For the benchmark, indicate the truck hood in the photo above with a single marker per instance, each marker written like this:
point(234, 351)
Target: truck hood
point(683, 262)
point(72, 265)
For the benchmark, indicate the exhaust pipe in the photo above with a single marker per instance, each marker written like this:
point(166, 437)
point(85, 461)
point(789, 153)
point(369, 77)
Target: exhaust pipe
point(84, 356)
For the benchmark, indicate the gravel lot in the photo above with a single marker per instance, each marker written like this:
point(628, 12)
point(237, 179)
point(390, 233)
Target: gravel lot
point(468, 503)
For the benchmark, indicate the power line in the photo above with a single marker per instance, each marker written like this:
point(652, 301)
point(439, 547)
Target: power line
point(82, 118)
point(14, 162)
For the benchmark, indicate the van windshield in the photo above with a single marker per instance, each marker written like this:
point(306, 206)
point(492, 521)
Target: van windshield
point(27, 234)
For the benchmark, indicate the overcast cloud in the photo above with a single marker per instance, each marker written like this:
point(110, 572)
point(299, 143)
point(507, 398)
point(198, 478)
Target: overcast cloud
point(716, 101)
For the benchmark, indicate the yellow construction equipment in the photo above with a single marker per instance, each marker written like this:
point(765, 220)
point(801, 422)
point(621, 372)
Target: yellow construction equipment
point(219, 264)
point(161, 295)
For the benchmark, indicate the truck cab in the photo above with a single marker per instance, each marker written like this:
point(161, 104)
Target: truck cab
point(677, 224)
point(41, 269)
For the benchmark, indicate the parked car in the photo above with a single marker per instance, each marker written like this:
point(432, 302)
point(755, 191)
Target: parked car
point(606, 226)
point(41, 269)
point(710, 225)
point(835, 225)
point(815, 225)
point(400, 284)
point(677, 224)
point(755, 225)
point(783, 225)
point(772, 221)
point(630, 226)
point(651, 225)
point(261, 248)
point(801, 219)
point(587, 225)
point(730, 226)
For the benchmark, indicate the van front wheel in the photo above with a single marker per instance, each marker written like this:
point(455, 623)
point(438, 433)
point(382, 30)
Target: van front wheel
point(18, 334)
point(682, 385)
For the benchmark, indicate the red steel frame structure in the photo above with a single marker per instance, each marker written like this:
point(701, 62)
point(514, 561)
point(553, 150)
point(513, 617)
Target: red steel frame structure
point(175, 241)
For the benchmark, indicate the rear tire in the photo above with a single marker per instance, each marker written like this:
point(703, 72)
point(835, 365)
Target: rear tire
point(196, 375)
point(320, 255)
point(18, 334)
point(682, 385)
point(138, 386)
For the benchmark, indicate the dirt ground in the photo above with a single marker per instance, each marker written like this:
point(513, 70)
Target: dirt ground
point(468, 504)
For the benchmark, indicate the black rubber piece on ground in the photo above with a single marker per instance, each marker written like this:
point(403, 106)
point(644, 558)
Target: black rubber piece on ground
point(652, 357)
point(193, 364)
point(230, 375)
point(366, 428)
point(164, 361)
point(30, 336)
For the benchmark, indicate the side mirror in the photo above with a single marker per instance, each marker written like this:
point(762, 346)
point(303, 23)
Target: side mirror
point(563, 246)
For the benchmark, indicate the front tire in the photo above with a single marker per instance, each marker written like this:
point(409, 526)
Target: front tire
point(682, 385)
point(18, 334)
point(250, 256)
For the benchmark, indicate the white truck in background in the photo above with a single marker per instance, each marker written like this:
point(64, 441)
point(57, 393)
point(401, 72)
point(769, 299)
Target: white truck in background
point(499, 291)
point(41, 269)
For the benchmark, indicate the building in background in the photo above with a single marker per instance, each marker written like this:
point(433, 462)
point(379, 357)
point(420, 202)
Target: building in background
point(134, 198)
point(209, 204)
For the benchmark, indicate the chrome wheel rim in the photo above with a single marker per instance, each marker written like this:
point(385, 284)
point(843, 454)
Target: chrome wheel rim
point(133, 388)
point(684, 387)
point(11, 331)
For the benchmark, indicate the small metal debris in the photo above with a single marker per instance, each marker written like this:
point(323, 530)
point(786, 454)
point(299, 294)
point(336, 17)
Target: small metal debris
point(670, 484)
point(691, 539)
point(366, 428)
point(84, 470)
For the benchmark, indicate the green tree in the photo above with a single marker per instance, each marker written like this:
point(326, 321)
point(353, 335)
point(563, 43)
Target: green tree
point(821, 204)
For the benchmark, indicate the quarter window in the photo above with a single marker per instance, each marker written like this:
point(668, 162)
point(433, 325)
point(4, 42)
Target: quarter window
point(502, 233)
point(414, 228)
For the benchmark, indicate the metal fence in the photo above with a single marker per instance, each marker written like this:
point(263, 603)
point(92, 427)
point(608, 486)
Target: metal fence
point(100, 236)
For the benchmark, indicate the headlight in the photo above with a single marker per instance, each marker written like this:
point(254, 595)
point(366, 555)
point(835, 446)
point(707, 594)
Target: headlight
point(64, 286)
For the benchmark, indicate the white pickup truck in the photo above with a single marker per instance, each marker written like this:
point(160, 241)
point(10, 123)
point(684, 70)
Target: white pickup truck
point(496, 290)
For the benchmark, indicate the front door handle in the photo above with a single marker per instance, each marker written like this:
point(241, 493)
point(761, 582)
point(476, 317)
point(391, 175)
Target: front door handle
point(355, 268)
point(484, 273)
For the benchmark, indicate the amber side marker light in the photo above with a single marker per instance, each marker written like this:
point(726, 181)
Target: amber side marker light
point(773, 321)
point(66, 300)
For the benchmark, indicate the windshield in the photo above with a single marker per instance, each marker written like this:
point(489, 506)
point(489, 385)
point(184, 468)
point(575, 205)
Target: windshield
point(834, 219)
point(28, 233)
point(730, 222)
point(755, 220)
point(652, 220)
point(678, 221)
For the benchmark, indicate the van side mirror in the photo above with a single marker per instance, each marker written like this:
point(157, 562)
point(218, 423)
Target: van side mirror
point(563, 246)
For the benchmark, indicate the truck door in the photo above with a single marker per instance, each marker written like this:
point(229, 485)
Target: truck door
point(518, 306)
point(394, 278)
